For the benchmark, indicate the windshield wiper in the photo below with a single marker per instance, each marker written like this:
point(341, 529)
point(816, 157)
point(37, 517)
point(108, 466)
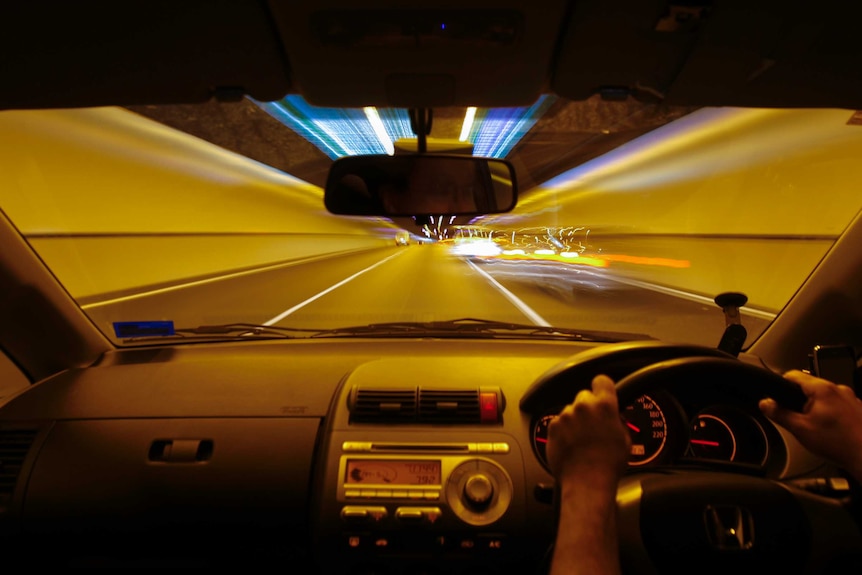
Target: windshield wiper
point(228, 331)
point(462, 327)
point(474, 327)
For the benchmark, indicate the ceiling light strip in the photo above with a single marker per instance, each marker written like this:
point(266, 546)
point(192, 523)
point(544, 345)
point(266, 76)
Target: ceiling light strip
point(501, 129)
point(467, 126)
point(379, 130)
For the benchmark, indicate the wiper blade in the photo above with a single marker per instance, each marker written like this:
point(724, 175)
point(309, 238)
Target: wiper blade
point(229, 331)
point(462, 327)
point(475, 327)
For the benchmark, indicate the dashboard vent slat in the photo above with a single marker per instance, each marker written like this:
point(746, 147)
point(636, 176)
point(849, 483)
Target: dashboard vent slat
point(449, 406)
point(14, 446)
point(380, 405)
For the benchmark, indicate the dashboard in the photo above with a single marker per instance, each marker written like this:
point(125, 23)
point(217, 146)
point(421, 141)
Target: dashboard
point(337, 456)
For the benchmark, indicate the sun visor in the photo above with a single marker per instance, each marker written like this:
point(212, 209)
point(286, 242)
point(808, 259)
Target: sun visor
point(713, 53)
point(74, 54)
point(624, 48)
point(776, 55)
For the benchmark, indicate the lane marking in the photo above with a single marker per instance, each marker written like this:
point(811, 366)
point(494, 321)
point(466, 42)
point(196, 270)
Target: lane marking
point(684, 295)
point(210, 280)
point(301, 305)
point(522, 307)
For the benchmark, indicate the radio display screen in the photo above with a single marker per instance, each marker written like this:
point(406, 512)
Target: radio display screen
point(393, 471)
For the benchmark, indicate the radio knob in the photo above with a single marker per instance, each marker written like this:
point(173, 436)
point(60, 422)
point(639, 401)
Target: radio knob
point(478, 490)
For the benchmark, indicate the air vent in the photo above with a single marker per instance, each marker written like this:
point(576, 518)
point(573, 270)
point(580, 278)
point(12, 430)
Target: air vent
point(421, 405)
point(14, 445)
point(382, 405)
point(448, 406)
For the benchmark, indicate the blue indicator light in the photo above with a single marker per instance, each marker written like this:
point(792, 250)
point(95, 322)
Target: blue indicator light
point(126, 329)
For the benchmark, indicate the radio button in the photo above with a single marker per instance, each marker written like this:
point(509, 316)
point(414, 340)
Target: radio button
point(485, 448)
point(432, 514)
point(355, 541)
point(384, 493)
point(501, 448)
point(368, 493)
point(415, 494)
point(399, 493)
point(354, 514)
point(363, 514)
point(492, 542)
point(414, 515)
point(432, 495)
point(409, 514)
point(352, 493)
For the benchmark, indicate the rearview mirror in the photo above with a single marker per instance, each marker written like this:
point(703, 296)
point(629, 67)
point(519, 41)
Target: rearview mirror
point(420, 184)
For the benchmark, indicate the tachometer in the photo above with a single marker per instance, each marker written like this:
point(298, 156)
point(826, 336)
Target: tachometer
point(712, 438)
point(725, 433)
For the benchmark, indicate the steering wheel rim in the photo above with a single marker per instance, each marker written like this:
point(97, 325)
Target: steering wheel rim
point(714, 371)
point(616, 360)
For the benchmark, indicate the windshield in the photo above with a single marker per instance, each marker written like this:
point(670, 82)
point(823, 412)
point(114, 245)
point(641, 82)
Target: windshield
point(630, 230)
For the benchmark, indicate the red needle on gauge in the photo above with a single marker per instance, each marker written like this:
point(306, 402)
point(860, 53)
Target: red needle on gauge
point(633, 427)
point(705, 442)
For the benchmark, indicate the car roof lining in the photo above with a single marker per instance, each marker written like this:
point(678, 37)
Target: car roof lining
point(689, 53)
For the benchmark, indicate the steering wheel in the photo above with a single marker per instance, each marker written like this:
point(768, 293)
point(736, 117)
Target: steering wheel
point(706, 521)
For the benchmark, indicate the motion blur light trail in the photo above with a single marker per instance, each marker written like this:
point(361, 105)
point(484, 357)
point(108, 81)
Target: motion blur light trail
point(648, 261)
point(602, 261)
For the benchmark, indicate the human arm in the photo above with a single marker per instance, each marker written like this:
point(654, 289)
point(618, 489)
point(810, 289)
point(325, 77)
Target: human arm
point(830, 423)
point(588, 450)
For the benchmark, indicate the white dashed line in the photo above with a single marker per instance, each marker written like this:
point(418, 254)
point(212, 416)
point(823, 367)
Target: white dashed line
point(524, 308)
point(301, 305)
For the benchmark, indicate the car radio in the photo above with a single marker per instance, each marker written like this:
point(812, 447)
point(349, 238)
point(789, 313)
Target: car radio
point(476, 489)
point(411, 500)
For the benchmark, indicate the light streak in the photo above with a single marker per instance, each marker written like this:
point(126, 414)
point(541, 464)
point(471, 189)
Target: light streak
point(379, 129)
point(468, 124)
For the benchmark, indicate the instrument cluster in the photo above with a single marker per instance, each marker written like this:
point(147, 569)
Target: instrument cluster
point(665, 431)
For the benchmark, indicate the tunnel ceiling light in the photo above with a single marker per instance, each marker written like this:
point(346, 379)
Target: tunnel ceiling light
point(467, 126)
point(379, 129)
point(500, 129)
point(341, 131)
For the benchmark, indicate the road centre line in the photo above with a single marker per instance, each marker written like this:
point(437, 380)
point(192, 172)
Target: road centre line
point(334, 287)
point(516, 301)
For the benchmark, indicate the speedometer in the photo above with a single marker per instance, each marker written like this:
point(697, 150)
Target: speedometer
point(648, 429)
point(644, 419)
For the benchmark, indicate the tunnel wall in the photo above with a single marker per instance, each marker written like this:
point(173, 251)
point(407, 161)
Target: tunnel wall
point(736, 199)
point(114, 202)
point(96, 191)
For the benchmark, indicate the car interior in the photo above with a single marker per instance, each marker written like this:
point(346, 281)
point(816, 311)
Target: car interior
point(231, 337)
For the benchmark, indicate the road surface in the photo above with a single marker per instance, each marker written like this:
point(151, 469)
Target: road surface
point(426, 283)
